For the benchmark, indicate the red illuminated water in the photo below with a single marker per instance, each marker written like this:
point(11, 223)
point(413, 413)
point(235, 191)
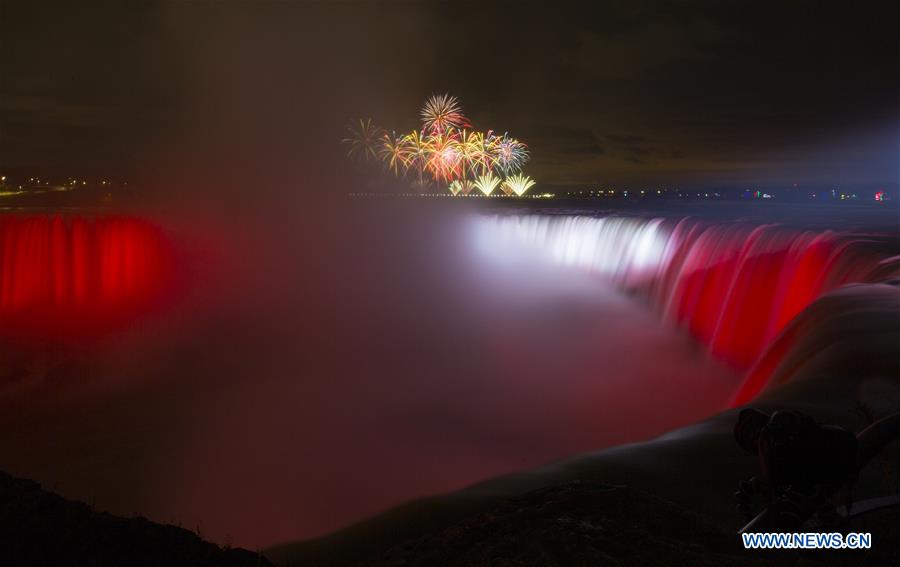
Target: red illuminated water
point(734, 286)
point(73, 278)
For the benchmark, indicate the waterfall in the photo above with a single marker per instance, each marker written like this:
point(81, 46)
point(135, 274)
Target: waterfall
point(733, 285)
point(74, 276)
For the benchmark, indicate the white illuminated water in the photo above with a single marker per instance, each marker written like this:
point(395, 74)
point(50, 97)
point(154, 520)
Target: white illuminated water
point(625, 250)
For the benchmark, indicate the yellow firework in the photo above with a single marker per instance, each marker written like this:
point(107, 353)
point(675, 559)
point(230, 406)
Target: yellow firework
point(487, 183)
point(518, 183)
point(363, 137)
point(418, 152)
point(462, 186)
point(395, 151)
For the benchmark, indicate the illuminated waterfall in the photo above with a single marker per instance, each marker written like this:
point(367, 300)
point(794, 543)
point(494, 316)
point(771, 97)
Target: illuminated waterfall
point(733, 285)
point(73, 277)
point(623, 249)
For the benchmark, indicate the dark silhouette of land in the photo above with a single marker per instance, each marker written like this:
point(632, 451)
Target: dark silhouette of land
point(38, 527)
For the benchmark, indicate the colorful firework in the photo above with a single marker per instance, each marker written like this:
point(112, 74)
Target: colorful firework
point(509, 154)
point(462, 186)
point(480, 152)
point(441, 113)
point(418, 151)
point(518, 183)
point(363, 137)
point(445, 149)
point(395, 152)
point(444, 160)
point(487, 183)
point(469, 146)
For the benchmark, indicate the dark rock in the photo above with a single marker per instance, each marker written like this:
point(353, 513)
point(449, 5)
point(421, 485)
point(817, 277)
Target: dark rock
point(42, 528)
point(576, 524)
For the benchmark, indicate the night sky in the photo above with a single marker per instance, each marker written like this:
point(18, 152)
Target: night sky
point(687, 93)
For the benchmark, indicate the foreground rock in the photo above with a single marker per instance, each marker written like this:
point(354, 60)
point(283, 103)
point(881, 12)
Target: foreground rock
point(592, 524)
point(42, 528)
point(576, 524)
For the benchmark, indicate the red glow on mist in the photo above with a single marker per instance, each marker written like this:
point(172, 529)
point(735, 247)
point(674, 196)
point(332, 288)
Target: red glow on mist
point(79, 278)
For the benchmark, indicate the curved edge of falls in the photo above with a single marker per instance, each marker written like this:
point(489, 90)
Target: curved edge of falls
point(735, 286)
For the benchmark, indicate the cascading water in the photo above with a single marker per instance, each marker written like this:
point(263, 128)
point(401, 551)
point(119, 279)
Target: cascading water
point(734, 285)
point(71, 278)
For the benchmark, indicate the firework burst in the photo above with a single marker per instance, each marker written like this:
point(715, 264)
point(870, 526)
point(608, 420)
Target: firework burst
point(487, 183)
point(480, 152)
point(444, 160)
point(462, 186)
point(518, 183)
point(418, 152)
point(395, 151)
point(470, 149)
point(509, 154)
point(445, 150)
point(364, 139)
point(442, 112)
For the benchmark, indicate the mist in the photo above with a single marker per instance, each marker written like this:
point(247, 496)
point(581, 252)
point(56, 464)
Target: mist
point(320, 373)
